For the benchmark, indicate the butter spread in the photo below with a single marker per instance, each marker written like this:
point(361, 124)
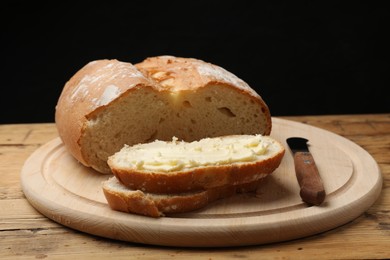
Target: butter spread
point(178, 155)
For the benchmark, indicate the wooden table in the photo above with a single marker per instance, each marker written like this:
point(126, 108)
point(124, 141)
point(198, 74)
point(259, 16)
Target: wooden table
point(25, 233)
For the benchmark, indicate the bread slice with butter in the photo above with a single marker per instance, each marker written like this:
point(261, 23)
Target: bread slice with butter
point(109, 103)
point(178, 166)
point(121, 198)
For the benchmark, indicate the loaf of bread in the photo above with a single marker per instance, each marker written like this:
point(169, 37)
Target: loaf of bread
point(177, 166)
point(121, 198)
point(109, 103)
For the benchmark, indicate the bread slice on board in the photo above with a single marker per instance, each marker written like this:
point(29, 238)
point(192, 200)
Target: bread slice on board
point(178, 166)
point(121, 198)
point(109, 103)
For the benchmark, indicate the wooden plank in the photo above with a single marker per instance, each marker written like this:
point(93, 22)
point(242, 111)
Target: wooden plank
point(25, 134)
point(65, 243)
point(366, 237)
point(347, 125)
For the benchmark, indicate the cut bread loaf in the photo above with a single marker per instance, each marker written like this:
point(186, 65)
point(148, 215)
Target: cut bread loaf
point(178, 166)
point(121, 198)
point(109, 103)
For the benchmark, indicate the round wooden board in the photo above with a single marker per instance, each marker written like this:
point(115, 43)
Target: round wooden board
point(71, 194)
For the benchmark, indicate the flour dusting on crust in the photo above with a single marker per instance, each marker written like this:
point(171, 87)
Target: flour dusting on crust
point(110, 93)
point(100, 81)
point(220, 74)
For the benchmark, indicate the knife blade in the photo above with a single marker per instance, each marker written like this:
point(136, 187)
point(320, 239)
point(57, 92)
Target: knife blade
point(312, 189)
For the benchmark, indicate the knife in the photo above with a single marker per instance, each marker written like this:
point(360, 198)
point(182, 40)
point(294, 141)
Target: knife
point(309, 179)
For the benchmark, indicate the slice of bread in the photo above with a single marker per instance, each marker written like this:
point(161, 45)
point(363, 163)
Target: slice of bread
point(178, 166)
point(121, 198)
point(109, 103)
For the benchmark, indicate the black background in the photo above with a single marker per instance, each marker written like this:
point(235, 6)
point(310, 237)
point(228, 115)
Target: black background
point(303, 58)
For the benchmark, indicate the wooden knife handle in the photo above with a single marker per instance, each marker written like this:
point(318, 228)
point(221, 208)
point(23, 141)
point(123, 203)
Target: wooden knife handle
point(309, 179)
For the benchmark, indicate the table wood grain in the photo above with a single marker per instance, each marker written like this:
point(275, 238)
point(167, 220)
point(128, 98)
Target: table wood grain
point(24, 233)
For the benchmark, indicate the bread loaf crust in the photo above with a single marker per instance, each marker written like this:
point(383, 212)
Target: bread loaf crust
point(176, 74)
point(100, 85)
